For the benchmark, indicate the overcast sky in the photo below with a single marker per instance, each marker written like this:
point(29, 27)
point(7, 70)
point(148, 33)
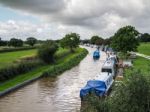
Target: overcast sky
point(52, 19)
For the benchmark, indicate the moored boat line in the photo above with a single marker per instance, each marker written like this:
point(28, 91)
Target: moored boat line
point(101, 83)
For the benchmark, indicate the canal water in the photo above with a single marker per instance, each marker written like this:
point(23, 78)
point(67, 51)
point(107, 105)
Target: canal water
point(59, 94)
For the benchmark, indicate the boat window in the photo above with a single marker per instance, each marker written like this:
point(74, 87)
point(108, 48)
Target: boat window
point(107, 70)
point(107, 83)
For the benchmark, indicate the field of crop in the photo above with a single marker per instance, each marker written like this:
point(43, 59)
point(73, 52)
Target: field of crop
point(8, 58)
point(144, 48)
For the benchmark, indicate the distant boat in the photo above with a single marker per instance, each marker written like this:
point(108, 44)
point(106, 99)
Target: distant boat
point(96, 54)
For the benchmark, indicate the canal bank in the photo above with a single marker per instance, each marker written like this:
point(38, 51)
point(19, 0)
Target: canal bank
point(59, 94)
point(61, 65)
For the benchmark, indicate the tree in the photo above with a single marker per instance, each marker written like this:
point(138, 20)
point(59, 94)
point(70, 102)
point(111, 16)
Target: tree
point(97, 40)
point(71, 41)
point(31, 41)
point(15, 42)
point(125, 39)
point(144, 37)
point(47, 50)
point(3, 43)
point(107, 41)
point(85, 41)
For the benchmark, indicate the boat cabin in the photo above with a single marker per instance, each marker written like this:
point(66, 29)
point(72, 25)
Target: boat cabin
point(109, 66)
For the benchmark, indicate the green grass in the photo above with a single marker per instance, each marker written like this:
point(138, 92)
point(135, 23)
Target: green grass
point(144, 48)
point(37, 72)
point(9, 58)
point(21, 78)
point(142, 64)
point(61, 52)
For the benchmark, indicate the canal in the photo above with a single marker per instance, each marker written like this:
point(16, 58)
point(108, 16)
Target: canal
point(59, 94)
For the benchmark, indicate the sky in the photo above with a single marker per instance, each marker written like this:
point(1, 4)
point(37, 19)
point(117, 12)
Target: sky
point(52, 19)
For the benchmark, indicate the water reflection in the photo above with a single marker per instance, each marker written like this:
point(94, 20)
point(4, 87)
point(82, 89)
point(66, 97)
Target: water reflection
point(59, 94)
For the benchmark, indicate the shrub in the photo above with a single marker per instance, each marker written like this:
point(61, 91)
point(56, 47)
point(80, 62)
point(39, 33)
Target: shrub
point(95, 104)
point(58, 69)
point(12, 71)
point(47, 50)
point(16, 49)
point(133, 95)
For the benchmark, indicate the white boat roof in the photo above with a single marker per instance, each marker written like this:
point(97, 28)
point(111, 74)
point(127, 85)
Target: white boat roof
point(103, 76)
point(108, 64)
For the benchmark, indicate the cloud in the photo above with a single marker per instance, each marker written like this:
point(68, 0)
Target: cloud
point(102, 17)
point(22, 29)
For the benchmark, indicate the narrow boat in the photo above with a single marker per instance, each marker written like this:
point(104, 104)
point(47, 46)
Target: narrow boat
point(96, 54)
point(100, 85)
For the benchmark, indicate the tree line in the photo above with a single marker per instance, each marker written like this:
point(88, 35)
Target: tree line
point(14, 42)
point(125, 39)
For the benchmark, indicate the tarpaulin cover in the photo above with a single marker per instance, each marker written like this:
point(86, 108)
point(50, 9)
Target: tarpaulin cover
point(96, 54)
point(97, 86)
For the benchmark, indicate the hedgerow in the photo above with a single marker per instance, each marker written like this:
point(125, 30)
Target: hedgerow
point(14, 70)
point(16, 49)
point(58, 69)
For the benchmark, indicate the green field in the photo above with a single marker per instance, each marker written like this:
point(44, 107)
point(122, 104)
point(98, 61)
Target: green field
point(8, 58)
point(37, 72)
point(142, 64)
point(144, 48)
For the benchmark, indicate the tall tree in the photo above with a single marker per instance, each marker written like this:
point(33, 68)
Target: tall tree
point(107, 41)
point(71, 41)
point(15, 42)
point(47, 50)
point(3, 43)
point(97, 40)
point(85, 41)
point(31, 41)
point(144, 37)
point(125, 39)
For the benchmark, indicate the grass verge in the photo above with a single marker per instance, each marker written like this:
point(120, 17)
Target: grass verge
point(144, 48)
point(60, 66)
point(142, 64)
point(6, 59)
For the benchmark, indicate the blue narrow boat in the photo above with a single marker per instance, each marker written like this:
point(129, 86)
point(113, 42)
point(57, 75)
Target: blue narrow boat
point(100, 85)
point(96, 54)
point(97, 86)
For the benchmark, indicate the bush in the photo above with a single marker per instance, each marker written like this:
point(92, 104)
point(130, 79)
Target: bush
point(12, 71)
point(58, 69)
point(95, 104)
point(16, 49)
point(133, 95)
point(47, 50)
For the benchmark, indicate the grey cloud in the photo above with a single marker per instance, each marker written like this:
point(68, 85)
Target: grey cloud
point(97, 16)
point(35, 6)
